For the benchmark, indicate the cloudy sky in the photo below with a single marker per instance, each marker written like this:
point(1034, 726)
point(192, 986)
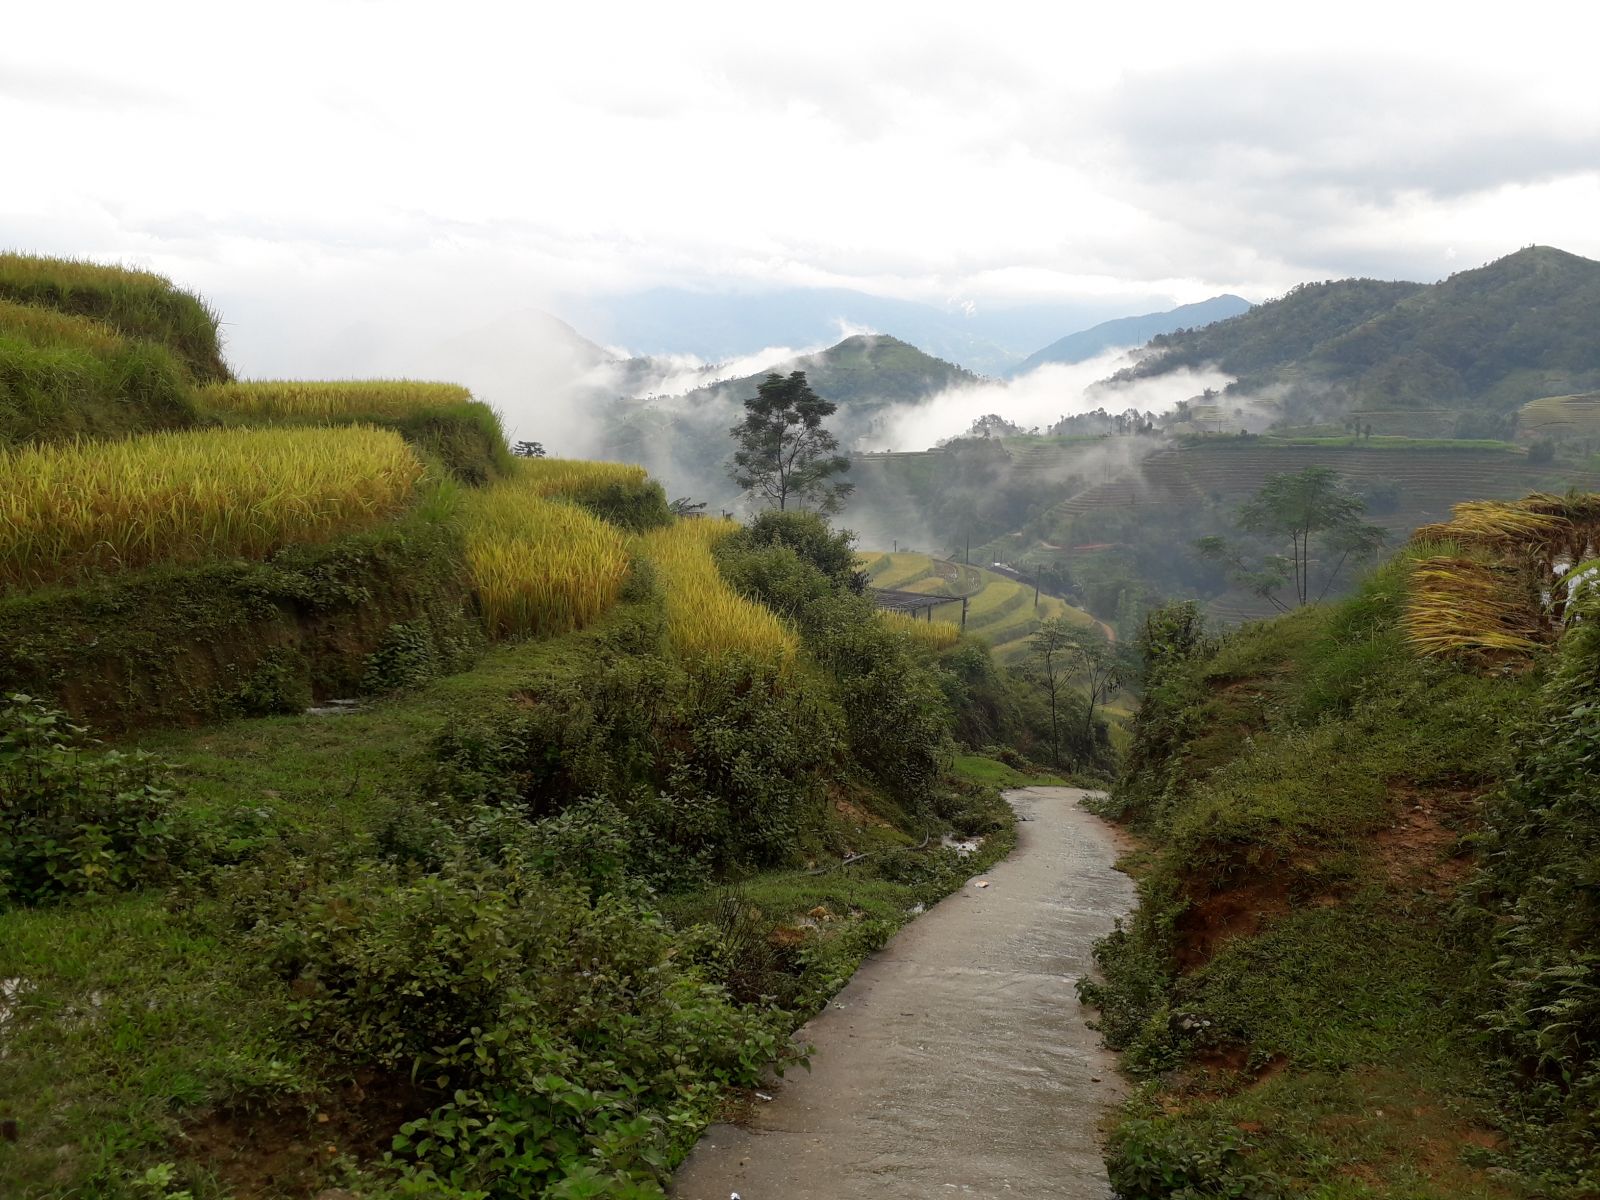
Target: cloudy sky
point(346, 179)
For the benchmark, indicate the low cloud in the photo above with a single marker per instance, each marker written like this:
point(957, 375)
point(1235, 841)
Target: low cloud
point(1040, 398)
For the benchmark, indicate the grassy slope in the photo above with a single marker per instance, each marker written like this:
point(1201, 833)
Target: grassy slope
point(141, 1024)
point(1293, 986)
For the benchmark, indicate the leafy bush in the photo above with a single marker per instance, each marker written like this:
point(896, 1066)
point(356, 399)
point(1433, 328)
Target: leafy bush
point(713, 770)
point(1540, 887)
point(809, 535)
point(76, 819)
point(896, 712)
point(1160, 1158)
point(563, 1036)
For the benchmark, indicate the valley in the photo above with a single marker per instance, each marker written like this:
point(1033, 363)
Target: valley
point(386, 812)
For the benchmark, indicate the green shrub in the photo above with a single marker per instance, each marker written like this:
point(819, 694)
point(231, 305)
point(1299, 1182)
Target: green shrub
point(1162, 1158)
point(76, 819)
point(1539, 887)
point(637, 507)
point(720, 769)
point(564, 1037)
point(406, 658)
point(809, 535)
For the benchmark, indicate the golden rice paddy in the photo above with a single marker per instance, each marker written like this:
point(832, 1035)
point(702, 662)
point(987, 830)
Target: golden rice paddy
point(331, 400)
point(75, 510)
point(706, 618)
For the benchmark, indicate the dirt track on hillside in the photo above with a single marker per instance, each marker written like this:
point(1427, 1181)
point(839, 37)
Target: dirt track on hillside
point(957, 1061)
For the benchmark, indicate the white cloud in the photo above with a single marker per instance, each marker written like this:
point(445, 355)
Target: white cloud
point(342, 178)
point(1040, 398)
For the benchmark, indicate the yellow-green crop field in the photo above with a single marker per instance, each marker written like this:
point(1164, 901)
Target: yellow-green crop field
point(705, 617)
point(576, 477)
point(1569, 415)
point(931, 635)
point(541, 566)
point(1002, 611)
point(74, 510)
point(332, 400)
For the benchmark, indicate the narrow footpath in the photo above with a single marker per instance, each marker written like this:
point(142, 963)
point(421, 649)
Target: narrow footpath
point(957, 1061)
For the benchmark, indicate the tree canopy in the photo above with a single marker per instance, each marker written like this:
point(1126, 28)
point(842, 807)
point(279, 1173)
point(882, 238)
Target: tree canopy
point(1299, 507)
point(783, 452)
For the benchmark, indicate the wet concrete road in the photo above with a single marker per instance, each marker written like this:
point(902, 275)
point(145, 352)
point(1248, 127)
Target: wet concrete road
point(956, 1062)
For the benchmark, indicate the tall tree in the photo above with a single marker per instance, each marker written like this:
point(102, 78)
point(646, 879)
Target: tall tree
point(1301, 507)
point(1101, 664)
point(1050, 649)
point(783, 454)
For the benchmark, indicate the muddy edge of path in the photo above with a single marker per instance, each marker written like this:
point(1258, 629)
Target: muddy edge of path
point(957, 1061)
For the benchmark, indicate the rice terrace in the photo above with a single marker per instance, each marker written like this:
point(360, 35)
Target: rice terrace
point(529, 672)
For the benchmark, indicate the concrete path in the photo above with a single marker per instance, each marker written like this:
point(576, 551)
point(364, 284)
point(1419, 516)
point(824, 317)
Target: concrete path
point(956, 1062)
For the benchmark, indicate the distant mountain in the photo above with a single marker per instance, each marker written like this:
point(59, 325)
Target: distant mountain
point(684, 438)
point(861, 374)
point(1479, 343)
point(727, 325)
point(1132, 331)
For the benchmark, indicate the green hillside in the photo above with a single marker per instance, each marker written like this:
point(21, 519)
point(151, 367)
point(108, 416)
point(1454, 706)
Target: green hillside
point(1363, 961)
point(1132, 331)
point(861, 374)
point(469, 826)
point(1478, 344)
point(999, 610)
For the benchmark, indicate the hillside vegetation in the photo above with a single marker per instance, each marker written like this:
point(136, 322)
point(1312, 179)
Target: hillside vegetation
point(1342, 979)
point(1479, 344)
point(1000, 610)
point(473, 828)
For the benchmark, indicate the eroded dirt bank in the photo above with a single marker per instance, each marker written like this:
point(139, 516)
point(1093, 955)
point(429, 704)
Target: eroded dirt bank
point(957, 1061)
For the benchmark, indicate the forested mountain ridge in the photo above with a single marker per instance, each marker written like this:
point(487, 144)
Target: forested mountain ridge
point(861, 374)
point(1487, 339)
point(1133, 331)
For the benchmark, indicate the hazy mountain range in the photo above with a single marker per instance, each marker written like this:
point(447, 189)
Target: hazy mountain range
point(720, 326)
point(1480, 343)
point(1132, 331)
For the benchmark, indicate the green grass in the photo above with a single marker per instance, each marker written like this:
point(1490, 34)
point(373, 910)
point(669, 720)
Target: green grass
point(140, 305)
point(1295, 982)
point(142, 1015)
point(976, 768)
point(65, 376)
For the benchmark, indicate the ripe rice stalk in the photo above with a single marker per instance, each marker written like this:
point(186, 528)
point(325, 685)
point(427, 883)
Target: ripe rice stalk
point(541, 567)
point(1468, 606)
point(577, 478)
point(1507, 525)
point(329, 401)
point(706, 618)
point(929, 635)
point(74, 510)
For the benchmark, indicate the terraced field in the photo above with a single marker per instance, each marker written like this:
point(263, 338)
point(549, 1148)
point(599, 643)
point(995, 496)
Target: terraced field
point(1430, 480)
point(999, 610)
point(1561, 416)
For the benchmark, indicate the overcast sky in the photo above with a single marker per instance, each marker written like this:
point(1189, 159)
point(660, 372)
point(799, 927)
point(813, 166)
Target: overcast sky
point(430, 167)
